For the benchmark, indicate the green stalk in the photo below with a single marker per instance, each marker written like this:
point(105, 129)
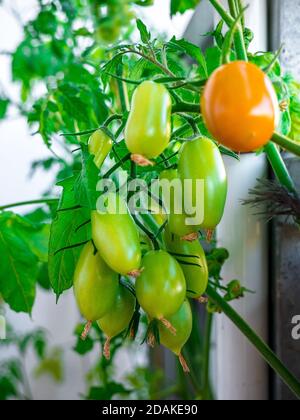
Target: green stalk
point(239, 41)
point(264, 350)
point(279, 168)
point(26, 203)
point(222, 12)
point(206, 356)
point(286, 143)
point(186, 107)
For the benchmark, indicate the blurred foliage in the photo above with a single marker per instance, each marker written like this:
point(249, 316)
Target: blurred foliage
point(14, 378)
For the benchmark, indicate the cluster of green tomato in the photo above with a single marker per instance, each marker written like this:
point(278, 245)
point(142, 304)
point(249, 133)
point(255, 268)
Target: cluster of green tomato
point(166, 278)
point(162, 283)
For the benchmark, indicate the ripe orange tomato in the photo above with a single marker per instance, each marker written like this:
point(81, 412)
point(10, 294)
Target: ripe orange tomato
point(240, 106)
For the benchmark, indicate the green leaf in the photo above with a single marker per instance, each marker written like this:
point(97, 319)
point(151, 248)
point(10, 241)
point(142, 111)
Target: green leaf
point(19, 264)
point(65, 233)
point(192, 50)
point(4, 103)
point(182, 5)
point(85, 187)
point(145, 34)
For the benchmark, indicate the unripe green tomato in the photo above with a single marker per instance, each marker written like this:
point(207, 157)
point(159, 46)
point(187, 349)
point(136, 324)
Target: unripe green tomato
point(201, 159)
point(194, 268)
point(148, 129)
point(161, 288)
point(100, 144)
point(116, 237)
point(182, 321)
point(118, 318)
point(95, 285)
point(176, 222)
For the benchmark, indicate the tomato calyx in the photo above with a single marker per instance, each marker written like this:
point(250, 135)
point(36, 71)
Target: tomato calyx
point(183, 363)
point(135, 273)
point(141, 160)
point(191, 237)
point(86, 330)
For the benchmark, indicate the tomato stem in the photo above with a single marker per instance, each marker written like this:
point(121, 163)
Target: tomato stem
point(186, 107)
point(279, 168)
point(286, 143)
point(222, 12)
point(265, 351)
point(30, 202)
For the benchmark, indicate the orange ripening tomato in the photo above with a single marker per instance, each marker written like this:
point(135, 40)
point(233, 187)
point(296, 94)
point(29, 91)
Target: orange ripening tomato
point(240, 106)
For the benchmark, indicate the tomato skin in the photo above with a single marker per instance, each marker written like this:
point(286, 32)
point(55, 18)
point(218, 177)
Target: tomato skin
point(201, 159)
point(148, 129)
point(118, 318)
point(161, 287)
point(196, 277)
point(240, 106)
point(117, 239)
point(176, 222)
point(95, 285)
point(182, 321)
point(100, 144)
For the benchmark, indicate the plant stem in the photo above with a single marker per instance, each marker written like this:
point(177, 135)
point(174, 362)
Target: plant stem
point(279, 168)
point(206, 355)
point(265, 351)
point(186, 107)
point(222, 12)
point(26, 203)
point(286, 143)
point(239, 41)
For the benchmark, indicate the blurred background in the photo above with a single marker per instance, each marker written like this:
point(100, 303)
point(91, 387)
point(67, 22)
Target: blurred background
point(237, 371)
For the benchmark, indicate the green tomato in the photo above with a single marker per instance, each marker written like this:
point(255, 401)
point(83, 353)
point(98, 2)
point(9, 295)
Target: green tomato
point(116, 236)
point(201, 159)
point(161, 288)
point(194, 268)
point(148, 129)
point(95, 284)
point(100, 144)
point(182, 321)
point(118, 318)
point(176, 222)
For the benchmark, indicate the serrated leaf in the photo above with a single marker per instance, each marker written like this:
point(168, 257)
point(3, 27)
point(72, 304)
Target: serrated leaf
point(192, 50)
point(145, 34)
point(65, 233)
point(19, 265)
